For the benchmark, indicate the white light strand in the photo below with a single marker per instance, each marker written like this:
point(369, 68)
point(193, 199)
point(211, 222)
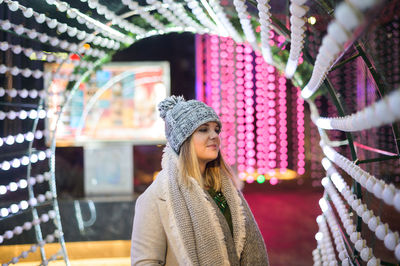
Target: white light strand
point(39, 55)
point(335, 230)
point(145, 15)
point(53, 41)
point(44, 218)
point(381, 230)
point(21, 138)
point(224, 20)
point(297, 27)
point(31, 114)
point(355, 237)
point(101, 10)
point(265, 22)
point(37, 74)
point(317, 256)
point(18, 162)
point(348, 16)
point(379, 188)
point(201, 16)
point(178, 9)
point(23, 205)
point(23, 183)
point(248, 30)
point(49, 239)
point(166, 13)
point(71, 31)
point(24, 93)
point(327, 251)
point(382, 112)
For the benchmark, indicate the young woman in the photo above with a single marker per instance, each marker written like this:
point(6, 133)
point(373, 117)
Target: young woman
point(193, 214)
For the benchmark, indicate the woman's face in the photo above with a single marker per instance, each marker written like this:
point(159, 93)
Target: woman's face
point(206, 142)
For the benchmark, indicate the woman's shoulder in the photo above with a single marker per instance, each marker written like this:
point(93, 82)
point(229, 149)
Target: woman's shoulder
point(157, 188)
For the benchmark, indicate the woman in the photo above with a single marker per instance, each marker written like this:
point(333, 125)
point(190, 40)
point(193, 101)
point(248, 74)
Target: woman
point(193, 214)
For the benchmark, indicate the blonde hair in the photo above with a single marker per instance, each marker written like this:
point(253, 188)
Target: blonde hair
point(188, 166)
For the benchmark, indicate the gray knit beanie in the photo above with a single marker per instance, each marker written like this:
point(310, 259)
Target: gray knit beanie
point(182, 118)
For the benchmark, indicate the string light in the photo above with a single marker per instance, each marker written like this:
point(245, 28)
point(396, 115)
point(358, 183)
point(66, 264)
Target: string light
point(62, 27)
point(53, 41)
point(249, 113)
point(224, 24)
point(241, 9)
point(31, 114)
point(264, 18)
point(348, 17)
point(390, 238)
point(297, 20)
point(261, 132)
point(49, 238)
point(355, 236)
point(240, 112)
point(385, 111)
point(300, 134)
point(23, 183)
point(18, 162)
point(368, 181)
point(197, 10)
point(17, 230)
point(179, 9)
point(23, 205)
point(145, 15)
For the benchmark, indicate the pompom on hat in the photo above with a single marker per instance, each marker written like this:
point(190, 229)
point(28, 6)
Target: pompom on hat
point(182, 118)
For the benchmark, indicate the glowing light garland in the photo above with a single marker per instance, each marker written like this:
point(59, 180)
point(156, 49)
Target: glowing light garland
point(382, 231)
point(264, 18)
point(53, 41)
point(339, 243)
point(282, 118)
point(355, 237)
point(197, 10)
point(17, 230)
point(24, 93)
point(240, 111)
point(249, 112)
point(348, 16)
point(245, 22)
point(21, 138)
point(23, 183)
point(49, 239)
point(72, 31)
point(167, 13)
point(227, 70)
point(261, 96)
point(31, 114)
point(37, 74)
point(301, 163)
point(23, 161)
point(325, 242)
point(378, 187)
point(101, 10)
point(271, 126)
point(297, 20)
point(28, 52)
point(23, 205)
point(222, 18)
point(178, 9)
point(385, 111)
point(145, 15)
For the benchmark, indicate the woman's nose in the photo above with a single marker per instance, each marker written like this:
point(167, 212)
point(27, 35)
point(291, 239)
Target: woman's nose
point(213, 134)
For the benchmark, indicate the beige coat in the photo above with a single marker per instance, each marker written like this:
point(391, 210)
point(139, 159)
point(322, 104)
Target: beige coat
point(161, 237)
point(151, 247)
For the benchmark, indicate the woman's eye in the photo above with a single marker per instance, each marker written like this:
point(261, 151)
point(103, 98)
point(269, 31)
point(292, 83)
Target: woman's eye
point(203, 129)
point(218, 130)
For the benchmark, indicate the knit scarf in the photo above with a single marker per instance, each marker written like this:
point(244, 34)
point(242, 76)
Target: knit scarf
point(197, 232)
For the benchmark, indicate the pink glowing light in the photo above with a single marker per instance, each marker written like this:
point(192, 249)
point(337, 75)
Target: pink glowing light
point(273, 181)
